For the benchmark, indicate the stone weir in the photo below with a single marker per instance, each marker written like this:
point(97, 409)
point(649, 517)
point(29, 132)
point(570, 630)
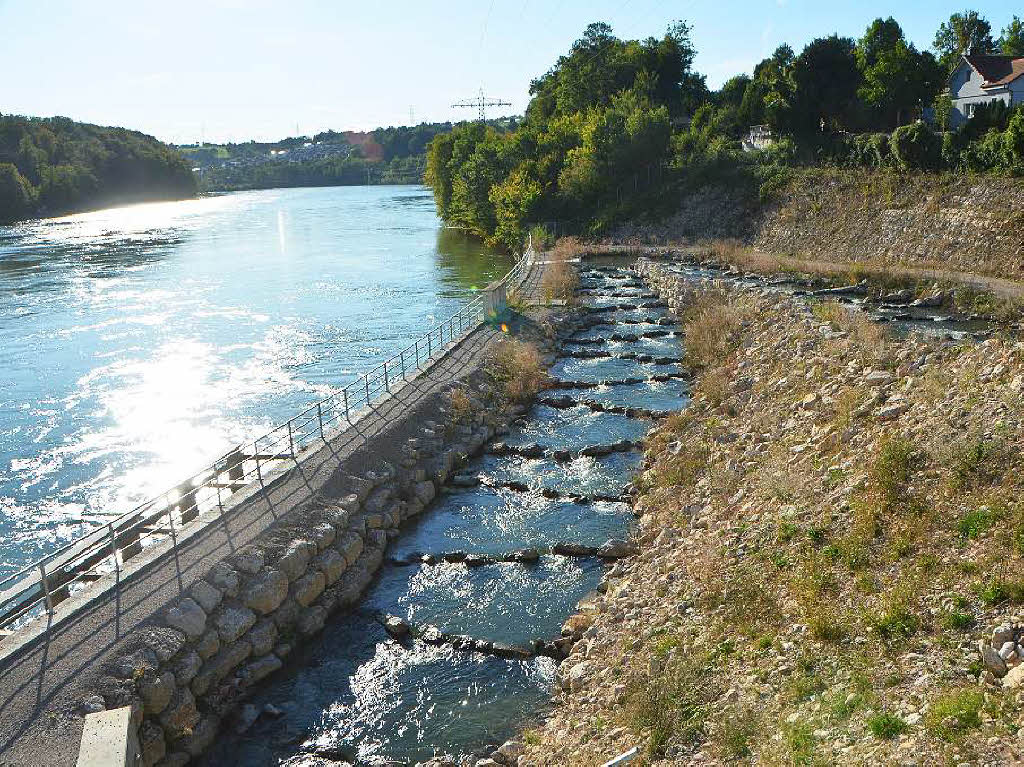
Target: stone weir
point(238, 615)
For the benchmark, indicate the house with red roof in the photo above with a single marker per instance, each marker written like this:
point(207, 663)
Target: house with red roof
point(983, 78)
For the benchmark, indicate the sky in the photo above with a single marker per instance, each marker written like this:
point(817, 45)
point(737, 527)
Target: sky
point(234, 70)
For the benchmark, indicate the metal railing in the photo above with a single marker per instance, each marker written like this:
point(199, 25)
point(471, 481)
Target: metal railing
point(51, 580)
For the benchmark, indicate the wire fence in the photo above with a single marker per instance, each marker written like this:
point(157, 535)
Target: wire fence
point(38, 588)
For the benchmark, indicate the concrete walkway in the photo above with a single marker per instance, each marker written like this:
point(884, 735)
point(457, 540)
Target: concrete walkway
point(42, 683)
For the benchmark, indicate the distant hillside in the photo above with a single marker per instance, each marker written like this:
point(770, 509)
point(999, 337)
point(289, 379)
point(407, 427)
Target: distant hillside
point(56, 165)
point(393, 155)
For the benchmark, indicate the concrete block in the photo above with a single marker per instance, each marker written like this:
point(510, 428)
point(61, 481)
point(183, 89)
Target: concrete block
point(111, 739)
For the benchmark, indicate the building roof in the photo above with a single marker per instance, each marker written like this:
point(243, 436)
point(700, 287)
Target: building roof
point(997, 70)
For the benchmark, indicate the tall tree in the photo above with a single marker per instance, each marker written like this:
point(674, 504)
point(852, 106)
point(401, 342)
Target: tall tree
point(1012, 40)
point(963, 32)
point(826, 78)
point(897, 79)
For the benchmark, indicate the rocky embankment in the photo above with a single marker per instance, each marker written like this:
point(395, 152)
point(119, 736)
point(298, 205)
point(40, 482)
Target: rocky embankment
point(831, 563)
point(877, 218)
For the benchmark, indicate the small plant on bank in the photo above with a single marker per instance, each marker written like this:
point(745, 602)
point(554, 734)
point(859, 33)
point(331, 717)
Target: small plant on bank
point(516, 366)
point(886, 726)
point(673, 707)
point(560, 277)
point(711, 331)
point(956, 712)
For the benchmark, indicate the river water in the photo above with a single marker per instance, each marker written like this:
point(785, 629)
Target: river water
point(359, 696)
point(138, 343)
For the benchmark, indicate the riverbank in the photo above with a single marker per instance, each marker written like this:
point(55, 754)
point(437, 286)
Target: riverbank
point(831, 550)
point(878, 220)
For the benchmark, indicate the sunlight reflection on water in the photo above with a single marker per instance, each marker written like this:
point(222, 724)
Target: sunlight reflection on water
point(139, 343)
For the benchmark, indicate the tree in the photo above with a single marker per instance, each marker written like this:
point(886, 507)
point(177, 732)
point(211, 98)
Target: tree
point(897, 78)
point(15, 194)
point(962, 33)
point(1011, 42)
point(826, 79)
point(733, 90)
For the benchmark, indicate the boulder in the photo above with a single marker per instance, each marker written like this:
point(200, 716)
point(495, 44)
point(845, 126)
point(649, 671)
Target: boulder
point(307, 588)
point(188, 617)
point(232, 622)
point(224, 578)
point(156, 692)
point(249, 560)
point(207, 595)
point(151, 743)
point(260, 669)
point(295, 559)
point(208, 645)
point(331, 564)
point(186, 668)
point(262, 635)
point(311, 620)
point(180, 714)
point(266, 591)
point(991, 659)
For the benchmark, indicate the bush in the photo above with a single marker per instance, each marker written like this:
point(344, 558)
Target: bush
point(885, 726)
point(517, 368)
point(1013, 141)
point(954, 713)
point(916, 147)
point(673, 707)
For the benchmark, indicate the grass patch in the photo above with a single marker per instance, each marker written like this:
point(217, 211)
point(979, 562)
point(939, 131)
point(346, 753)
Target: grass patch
point(886, 726)
point(895, 620)
point(560, 277)
point(955, 713)
point(973, 524)
point(1000, 590)
point(673, 707)
point(712, 326)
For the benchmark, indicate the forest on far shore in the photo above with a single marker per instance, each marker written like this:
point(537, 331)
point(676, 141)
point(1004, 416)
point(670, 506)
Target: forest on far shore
point(55, 165)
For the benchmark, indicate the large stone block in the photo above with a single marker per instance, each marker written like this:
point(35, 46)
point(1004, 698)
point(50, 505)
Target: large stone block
point(156, 692)
point(295, 559)
point(187, 616)
point(201, 737)
point(260, 668)
point(220, 665)
point(207, 595)
point(332, 564)
point(350, 546)
point(262, 635)
point(180, 715)
point(311, 620)
point(231, 622)
point(266, 591)
point(307, 588)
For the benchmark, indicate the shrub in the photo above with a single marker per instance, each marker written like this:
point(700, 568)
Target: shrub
point(885, 726)
point(916, 147)
point(890, 473)
point(711, 330)
point(1013, 141)
point(516, 367)
point(560, 277)
point(974, 523)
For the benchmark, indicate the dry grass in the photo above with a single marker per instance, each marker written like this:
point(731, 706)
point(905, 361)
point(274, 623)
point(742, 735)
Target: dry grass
point(711, 328)
point(516, 366)
point(560, 277)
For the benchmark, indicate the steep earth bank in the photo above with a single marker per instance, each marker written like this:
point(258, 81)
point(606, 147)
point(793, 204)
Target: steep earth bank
point(882, 218)
point(831, 554)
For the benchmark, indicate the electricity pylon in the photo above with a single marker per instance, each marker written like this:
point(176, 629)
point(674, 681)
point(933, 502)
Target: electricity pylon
point(481, 103)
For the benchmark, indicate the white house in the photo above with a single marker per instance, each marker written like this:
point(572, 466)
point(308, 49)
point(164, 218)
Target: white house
point(983, 78)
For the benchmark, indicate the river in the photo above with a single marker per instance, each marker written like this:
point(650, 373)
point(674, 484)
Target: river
point(138, 343)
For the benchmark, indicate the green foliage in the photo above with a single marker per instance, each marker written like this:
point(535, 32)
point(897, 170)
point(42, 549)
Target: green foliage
point(886, 726)
point(61, 165)
point(972, 524)
point(953, 714)
point(1013, 140)
point(1011, 42)
point(15, 194)
point(962, 32)
point(916, 147)
point(896, 77)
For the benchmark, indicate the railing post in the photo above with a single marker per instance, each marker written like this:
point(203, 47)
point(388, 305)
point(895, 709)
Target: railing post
point(428, 345)
point(347, 416)
point(387, 384)
point(451, 329)
point(291, 441)
point(320, 420)
point(417, 346)
point(46, 589)
point(113, 545)
point(220, 503)
point(401, 357)
point(366, 381)
point(256, 455)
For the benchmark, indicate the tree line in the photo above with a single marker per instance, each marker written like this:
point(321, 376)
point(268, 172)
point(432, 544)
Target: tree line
point(56, 165)
point(616, 124)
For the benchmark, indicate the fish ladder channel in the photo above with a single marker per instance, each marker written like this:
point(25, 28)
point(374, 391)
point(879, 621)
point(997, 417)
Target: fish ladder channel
point(455, 646)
